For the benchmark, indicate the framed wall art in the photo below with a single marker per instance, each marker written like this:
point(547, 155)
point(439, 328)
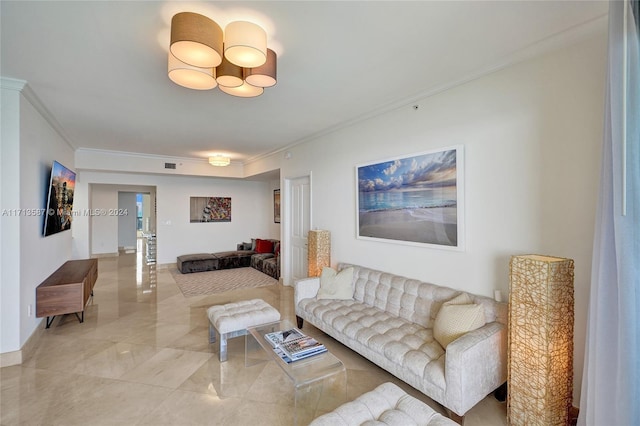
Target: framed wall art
point(276, 206)
point(416, 199)
point(210, 209)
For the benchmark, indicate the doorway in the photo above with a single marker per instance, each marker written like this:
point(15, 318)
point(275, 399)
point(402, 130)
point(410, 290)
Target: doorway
point(135, 220)
point(297, 221)
point(114, 226)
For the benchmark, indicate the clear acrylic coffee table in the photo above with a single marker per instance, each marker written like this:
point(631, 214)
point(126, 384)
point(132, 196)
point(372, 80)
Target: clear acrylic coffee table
point(320, 381)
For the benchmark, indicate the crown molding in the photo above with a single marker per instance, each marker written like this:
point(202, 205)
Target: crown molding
point(12, 83)
point(23, 87)
point(148, 156)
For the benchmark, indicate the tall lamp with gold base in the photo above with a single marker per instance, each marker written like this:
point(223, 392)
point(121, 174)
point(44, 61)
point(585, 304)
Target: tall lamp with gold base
point(541, 312)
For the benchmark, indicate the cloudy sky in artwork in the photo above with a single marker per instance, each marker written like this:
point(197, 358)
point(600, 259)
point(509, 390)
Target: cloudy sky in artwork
point(61, 174)
point(421, 171)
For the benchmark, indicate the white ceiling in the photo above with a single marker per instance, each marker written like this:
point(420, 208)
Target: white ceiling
point(100, 67)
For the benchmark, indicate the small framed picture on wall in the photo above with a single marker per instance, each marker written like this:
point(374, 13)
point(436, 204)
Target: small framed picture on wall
point(276, 206)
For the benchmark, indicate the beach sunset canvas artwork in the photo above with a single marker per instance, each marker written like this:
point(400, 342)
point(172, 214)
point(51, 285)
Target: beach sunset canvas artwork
point(414, 200)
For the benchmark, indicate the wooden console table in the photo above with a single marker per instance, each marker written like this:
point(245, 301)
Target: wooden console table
point(67, 290)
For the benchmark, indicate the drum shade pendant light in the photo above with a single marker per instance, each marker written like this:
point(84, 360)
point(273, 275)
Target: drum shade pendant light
point(191, 77)
point(229, 75)
point(264, 75)
point(198, 59)
point(196, 40)
point(245, 44)
point(243, 91)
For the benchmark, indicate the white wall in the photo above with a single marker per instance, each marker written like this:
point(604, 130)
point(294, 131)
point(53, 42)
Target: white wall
point(251, 213)
point(531, 135)
point(9, 223)
point(40, 145)
point(30, 144)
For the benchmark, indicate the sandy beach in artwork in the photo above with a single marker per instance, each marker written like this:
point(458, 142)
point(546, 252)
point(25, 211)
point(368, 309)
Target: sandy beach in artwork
point(435, 225)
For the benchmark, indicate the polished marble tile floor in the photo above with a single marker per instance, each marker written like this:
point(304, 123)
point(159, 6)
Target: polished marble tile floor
point(142, 357)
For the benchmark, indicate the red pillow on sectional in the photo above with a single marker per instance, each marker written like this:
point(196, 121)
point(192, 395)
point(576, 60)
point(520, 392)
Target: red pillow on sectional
point(264, 246)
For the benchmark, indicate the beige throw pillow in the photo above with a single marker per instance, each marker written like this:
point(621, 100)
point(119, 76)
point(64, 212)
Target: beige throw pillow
point(335, 285)
point(457, 317)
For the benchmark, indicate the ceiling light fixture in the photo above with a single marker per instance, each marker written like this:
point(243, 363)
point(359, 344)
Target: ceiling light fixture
point(241, 66)
point(219, 160)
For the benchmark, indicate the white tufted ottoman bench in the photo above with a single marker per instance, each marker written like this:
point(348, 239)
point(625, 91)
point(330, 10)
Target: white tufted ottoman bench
point(232, 319)
point(385, 405)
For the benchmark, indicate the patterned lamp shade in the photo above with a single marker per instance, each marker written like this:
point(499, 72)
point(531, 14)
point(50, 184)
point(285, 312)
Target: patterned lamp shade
point(319, 251)
point(541, 311)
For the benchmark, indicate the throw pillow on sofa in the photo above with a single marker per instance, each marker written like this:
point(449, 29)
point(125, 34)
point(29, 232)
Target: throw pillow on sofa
point(264, 246)
point(335, 285)
point(457, 317)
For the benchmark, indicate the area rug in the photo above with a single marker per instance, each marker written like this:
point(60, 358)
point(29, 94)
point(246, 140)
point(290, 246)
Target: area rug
point(212, 282)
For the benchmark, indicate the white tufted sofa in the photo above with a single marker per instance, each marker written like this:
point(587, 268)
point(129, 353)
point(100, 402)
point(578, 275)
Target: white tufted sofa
point(390, 322)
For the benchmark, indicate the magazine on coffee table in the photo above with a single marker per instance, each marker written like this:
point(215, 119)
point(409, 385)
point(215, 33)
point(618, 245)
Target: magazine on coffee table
point(278, 337)
point(293, 345)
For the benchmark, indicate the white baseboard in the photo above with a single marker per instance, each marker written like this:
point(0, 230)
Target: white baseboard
point(8, 359)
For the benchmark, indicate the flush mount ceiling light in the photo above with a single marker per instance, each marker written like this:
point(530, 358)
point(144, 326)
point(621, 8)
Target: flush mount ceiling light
point(219, 160)
point(241, 66)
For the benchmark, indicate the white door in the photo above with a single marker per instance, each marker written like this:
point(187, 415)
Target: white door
point(300, 208)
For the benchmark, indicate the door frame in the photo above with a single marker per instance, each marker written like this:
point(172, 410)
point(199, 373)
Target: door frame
point(287, 259)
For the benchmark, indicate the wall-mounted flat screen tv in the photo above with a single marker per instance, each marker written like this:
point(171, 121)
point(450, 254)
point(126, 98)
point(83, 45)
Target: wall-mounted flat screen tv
point(58, 215)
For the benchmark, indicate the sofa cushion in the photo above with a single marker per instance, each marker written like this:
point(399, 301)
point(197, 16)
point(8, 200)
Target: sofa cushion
point(407, 298)
point(257, 260)
point(385, 405)
point(336, 285)
point(456, 318)
point(245, 246)
point(233, 259)
point(396, 340)
point(264, 246)
point(271, 267)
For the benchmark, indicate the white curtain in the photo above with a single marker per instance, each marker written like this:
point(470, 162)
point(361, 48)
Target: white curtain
point(611, 376)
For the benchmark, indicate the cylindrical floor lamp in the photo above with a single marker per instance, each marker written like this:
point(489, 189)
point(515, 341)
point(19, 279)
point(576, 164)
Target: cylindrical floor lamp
point(541, 311)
